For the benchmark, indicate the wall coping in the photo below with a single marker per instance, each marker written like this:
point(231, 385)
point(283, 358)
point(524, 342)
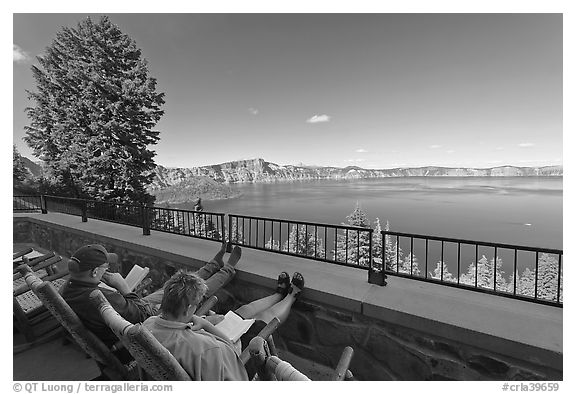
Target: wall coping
point(498, 324)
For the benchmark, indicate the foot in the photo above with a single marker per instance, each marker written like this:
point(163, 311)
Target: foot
point(283, 283)
point(297, 285)
point(220, 254)
point(235, 256)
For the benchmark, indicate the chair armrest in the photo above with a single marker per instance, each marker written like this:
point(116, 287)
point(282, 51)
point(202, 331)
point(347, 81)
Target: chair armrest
point(341, 372)
point(206, 306)
point(45, 264)
point(24, 288)
point(34, 261)
point(22, 253)
point(264, 333)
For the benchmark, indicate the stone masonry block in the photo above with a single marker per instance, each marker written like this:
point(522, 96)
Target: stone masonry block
point(308, 352)
point(489, 366)
point(365, 367)
point(334, 332)
point(298, 328)
point(399, 359)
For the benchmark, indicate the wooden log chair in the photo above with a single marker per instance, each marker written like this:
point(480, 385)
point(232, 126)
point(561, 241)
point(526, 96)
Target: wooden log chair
point(110, 366)
point(16, 256)
point(30, 317)
point(271, 367)
point(154, 360)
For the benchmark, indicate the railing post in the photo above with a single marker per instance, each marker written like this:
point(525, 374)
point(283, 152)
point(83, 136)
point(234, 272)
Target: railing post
point(229, 243)
point(377, 277)
point(84, 211)
point(43, 206)
point(223, 223)
point(145, 223)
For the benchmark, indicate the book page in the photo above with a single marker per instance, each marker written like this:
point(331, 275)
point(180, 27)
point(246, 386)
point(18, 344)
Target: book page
point(234, 326)
point(136, 275)
point(133, 279)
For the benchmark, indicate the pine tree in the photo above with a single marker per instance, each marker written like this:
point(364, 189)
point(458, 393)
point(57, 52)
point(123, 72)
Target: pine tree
point(547, 279)
point(19, 171)
point(302, 242)
point(353, 246)
point(236, 233)
point(547, 276)
point(410, 265)
point(392, 251)
point(95, 109)
point(485, 273)
point(377, 245)
point(441, 273)
point(525, 284)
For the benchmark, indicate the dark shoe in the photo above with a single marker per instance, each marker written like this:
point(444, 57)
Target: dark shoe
point(283, 283)
point(298, 282)
point(235, 256)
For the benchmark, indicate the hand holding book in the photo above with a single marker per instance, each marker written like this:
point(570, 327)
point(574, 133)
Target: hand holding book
point(133, 279)
point(234, 326)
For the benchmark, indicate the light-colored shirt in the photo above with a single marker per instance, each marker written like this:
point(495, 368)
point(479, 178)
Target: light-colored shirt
point(204, 356)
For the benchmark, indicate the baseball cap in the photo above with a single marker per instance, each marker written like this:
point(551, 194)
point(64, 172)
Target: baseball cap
point(89, 257)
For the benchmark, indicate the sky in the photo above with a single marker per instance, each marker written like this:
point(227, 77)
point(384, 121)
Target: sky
point(369, 90)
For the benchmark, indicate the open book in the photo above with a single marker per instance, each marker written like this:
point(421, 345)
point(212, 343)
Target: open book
point(234, 326)
point(133, 279)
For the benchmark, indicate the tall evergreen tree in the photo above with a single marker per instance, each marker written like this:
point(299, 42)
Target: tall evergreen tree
point(485, 273)
point(525, 284)
point(302, 242)
point(410, 265)
point(392, 251)
point(377, 245)
point(353, 246)
point(237, 233)
point(95, 109)
point(441, 272)
point(19, 171)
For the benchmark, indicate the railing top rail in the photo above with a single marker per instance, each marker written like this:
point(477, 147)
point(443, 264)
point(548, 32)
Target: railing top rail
point(26, 195)
point(303, 222)
point(481, 243)
point(95, 201)
point(186, 210)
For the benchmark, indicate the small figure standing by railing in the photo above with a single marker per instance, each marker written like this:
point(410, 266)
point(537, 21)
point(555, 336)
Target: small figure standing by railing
point(198, 205)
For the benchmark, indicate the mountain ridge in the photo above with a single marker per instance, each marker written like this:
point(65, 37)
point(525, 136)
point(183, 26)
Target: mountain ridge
point(260, 171)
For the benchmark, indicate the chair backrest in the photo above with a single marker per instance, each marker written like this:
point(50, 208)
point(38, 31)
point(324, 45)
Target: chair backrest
point(89, 342)
point(149, 354)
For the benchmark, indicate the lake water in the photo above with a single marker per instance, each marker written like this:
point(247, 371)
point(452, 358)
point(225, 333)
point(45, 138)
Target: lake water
point(522, 210)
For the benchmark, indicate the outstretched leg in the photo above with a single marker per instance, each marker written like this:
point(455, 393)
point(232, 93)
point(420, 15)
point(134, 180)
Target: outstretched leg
point(221, 277)
point(249, 311)
point(211, 267)
point(281, 309)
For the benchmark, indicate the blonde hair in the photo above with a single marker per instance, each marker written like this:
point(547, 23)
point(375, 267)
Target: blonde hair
point(183, 289)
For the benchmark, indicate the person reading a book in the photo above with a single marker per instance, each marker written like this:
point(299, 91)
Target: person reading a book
point(206, 351)
point(88, 268)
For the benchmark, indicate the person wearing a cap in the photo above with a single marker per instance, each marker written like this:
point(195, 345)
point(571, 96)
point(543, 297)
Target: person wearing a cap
point(89, 265)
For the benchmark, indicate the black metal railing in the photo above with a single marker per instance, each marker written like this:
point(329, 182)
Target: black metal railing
point(523, 272)
point(198, 224)
point(344, 245)
point(128, 214)
point(27, 203)
point(67, 205)
point(520, 272)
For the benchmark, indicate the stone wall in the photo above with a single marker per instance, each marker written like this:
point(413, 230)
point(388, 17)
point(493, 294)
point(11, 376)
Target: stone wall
point(316, 332)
